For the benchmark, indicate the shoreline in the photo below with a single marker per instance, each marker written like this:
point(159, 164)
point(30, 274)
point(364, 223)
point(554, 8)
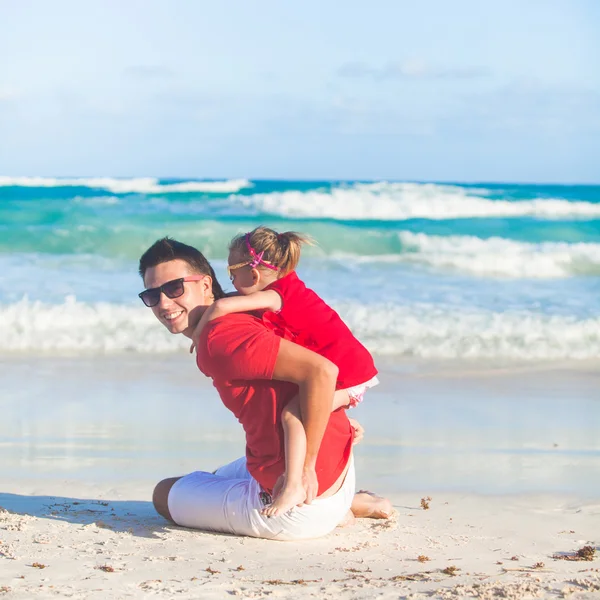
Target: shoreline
point(384, 362)
point(431, 427)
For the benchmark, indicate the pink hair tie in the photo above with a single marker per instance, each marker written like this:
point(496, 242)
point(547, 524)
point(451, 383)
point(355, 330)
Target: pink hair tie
point(257, 259)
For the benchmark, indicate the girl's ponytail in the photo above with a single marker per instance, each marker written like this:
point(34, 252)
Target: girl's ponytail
point(281, 250)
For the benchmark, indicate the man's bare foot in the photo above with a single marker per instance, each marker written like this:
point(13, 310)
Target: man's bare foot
point(289, 497)
point(348, 520)
point(367, 505)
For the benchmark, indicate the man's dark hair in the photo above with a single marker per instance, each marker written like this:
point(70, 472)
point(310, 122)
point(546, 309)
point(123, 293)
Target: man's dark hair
point(167, 249)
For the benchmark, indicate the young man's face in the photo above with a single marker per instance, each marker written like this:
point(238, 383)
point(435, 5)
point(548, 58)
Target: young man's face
point(181, 314)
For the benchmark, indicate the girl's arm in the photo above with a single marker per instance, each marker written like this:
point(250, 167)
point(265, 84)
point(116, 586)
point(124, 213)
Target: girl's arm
point(265, 300)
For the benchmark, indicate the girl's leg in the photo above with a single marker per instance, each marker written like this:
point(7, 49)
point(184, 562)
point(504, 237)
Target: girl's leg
point(340, 398)
point(292, 491)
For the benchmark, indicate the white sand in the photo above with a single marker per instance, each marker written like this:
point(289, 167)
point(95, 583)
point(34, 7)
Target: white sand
point(112, 546)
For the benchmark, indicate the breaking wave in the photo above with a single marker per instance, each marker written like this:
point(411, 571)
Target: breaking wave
point(418, 330)
point(141, 185)
point(499, 256)
point(400, 201)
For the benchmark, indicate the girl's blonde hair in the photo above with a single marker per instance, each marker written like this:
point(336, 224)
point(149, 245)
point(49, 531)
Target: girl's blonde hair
point(282, 250)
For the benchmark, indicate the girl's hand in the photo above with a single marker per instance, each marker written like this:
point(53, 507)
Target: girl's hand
point(359, 431)
point(310, 484)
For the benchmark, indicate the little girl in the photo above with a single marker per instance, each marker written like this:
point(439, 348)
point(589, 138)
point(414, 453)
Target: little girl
point(261, 268)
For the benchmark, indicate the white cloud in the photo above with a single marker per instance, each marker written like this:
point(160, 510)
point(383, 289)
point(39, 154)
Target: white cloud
point(414, 68)
point(8, 93)
point(525, 108)
point(149, 72)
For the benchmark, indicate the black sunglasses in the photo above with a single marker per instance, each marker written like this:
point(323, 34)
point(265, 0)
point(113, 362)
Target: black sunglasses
point(171, 289)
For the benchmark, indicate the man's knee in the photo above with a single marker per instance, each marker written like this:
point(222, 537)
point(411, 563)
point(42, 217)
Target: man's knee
point(160, 497)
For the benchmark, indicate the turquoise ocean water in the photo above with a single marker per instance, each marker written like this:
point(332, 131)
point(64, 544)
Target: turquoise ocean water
point(429, 270)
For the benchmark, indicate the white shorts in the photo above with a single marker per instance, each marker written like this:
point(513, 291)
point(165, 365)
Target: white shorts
point(230, 501)
point(356, 392)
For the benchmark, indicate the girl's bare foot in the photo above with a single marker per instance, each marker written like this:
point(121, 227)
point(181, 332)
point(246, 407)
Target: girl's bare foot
point(278, 485)
point(290, 496)
point(367, 505)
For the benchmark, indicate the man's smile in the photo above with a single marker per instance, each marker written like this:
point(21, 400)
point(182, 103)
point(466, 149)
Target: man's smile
point(170, 316)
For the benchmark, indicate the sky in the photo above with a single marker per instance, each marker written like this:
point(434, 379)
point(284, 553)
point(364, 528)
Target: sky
point(500, 90)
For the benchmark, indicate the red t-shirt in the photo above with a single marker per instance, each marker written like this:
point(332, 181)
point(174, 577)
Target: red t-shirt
point(312, 323)
point(239, 353)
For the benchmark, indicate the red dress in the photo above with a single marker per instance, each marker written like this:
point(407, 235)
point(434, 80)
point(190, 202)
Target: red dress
point(308, 321)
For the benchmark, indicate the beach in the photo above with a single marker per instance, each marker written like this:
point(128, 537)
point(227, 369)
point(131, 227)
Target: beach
point(479, 303)
point(491, 469)
point(426, 170)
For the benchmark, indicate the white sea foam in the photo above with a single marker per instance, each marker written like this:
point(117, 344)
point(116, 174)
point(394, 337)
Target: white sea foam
point(421, 330)
point(400, 201)
point(72, 327)
point(140, 185)
point(431, 331)
point(501, 257)
point(492, 257)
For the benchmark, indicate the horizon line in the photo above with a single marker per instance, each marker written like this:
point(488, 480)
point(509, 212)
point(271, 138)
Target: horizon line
point(314, 180)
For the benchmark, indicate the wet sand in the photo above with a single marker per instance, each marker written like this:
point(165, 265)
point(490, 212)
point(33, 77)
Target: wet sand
point(509, 456)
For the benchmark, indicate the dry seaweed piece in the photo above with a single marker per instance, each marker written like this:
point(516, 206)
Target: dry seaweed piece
point(423, 576)
point(292, 582)
point(584, 553)
point(354, 570)
point(425, 503)
point(532, 569)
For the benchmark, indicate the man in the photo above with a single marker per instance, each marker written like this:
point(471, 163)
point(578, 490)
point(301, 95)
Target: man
point(256, 374)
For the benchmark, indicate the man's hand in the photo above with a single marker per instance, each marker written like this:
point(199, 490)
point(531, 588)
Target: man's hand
point(310, 483)
point(359, 431)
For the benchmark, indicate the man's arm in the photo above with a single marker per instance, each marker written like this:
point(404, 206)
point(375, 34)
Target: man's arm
point(316, 378)
point(226, 357)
